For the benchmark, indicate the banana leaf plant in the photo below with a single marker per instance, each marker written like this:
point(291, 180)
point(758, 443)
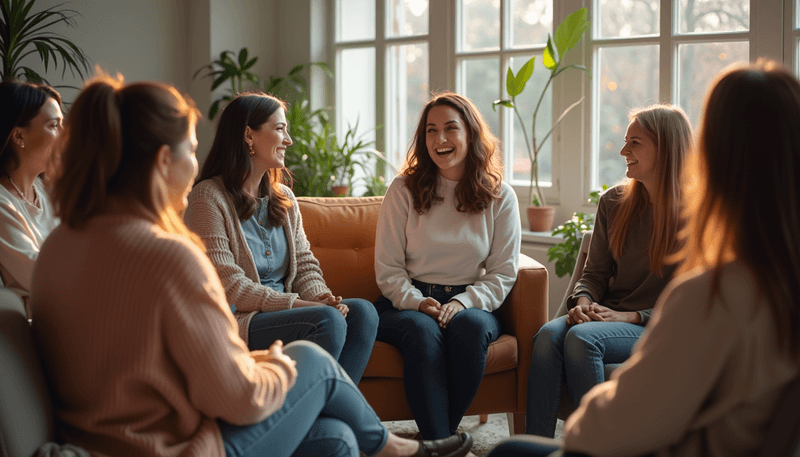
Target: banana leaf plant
point(568, 34)
point(23, 33)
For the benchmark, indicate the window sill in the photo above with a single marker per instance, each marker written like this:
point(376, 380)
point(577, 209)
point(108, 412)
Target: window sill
point(541, 237)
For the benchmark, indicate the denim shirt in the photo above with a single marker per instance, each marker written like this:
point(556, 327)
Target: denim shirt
point(268, 246)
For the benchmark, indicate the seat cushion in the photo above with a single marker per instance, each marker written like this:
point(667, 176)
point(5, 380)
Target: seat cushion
point(386, 361)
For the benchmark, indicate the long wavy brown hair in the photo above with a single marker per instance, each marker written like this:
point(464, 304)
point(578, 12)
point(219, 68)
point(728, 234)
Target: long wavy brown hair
point(742, 191)
point(670, 130)
point(483, 172)
point(229, 157)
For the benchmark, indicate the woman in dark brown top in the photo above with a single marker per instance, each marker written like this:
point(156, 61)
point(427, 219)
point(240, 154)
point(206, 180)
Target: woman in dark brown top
point(635, 229)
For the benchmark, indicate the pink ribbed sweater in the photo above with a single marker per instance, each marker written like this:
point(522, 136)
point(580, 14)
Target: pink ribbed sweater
point(140, 346)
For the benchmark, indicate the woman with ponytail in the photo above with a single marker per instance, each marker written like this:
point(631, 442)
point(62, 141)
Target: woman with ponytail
point(635, 231)
point(132, 321)
point(253, 233)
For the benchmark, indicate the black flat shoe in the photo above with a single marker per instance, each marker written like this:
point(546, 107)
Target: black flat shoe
point(455, 446)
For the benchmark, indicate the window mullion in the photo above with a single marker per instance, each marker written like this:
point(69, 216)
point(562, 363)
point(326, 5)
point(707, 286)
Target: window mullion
point(668, 54)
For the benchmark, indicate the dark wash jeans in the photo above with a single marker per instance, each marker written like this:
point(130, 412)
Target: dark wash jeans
point(443, 367)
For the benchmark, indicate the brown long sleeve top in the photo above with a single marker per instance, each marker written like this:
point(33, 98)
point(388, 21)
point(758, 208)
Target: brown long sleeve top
point(139, 345)
point(212, 216)
point(625, 283)
point(703, 380)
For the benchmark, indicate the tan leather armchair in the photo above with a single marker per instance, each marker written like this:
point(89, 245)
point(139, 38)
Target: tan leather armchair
point(342, 236)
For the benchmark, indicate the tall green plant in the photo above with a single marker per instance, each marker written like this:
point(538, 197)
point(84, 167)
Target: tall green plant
point(226, 69)
point(568, 35)
point(23, 33)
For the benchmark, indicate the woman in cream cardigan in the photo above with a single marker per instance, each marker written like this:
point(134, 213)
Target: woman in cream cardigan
point(253, 232)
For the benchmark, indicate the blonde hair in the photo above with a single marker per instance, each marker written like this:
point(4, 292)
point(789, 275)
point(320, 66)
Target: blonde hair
point(114, 132)
point(741, 189)
point(670, 130)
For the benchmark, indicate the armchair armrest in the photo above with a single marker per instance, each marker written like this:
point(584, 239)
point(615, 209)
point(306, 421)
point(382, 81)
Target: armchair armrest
point(523, 312)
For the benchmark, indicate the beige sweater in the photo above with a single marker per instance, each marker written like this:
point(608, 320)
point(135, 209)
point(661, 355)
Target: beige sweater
point(213, 217)
point(139, 345)
point(699, 383)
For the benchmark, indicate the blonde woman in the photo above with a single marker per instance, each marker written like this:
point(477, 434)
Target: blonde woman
point(635, 230)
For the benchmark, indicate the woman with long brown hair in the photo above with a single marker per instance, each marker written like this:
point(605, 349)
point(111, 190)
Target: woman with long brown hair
point(132, 321)
point(251, 226)
point(724, 341)
point(635, 230)
point(446, 256)
point(30, 128)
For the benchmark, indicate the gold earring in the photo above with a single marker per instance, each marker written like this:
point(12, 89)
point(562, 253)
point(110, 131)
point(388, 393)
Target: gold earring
point(250, 147)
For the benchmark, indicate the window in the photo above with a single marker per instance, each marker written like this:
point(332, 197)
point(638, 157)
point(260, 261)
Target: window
point(391, 54)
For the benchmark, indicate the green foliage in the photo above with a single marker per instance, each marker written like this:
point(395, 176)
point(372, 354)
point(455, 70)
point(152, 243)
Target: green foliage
point(23, 33)
point(568, 34)
point(565, 253)
point(227, 69)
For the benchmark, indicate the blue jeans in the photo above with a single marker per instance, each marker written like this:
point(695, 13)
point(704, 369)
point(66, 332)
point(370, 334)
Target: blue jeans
point(323, 414)
point(349, 340)
point(529, 446)
point(442, 367)
point(576, 353)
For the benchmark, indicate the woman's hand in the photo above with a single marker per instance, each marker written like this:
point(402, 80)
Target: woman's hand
point(604, 314)
point(578, 314)
point(329, 299)
point(449, 310)
point(431, 307)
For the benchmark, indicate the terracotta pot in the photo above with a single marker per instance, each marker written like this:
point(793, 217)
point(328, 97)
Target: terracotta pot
point(340, 191)
point(540, 218)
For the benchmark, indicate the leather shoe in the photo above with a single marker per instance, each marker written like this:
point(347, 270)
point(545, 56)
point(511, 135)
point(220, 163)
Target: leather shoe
point(454, 446)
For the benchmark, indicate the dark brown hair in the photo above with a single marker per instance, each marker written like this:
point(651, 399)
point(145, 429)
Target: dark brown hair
point(20, 102)
point(671, 132)
point(483, 174)
point(114, 132)
point(742, 190)
point(229, 156)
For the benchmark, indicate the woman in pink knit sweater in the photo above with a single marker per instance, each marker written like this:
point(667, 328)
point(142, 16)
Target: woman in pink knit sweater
point(136, 335)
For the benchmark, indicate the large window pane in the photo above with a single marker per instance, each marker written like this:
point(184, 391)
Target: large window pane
point(479, 80)
point(356, 95)
point(526, 103)
point(406, 17)
point(531, 21)
point(698, 64)
point(713, 16)
point(407, 92)
point(480, 25)
point(628, 18)
point(355, 20)
point(626, 77)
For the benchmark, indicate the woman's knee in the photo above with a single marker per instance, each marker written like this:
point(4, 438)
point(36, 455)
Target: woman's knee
point(550, 337)
point(579, 344)
point(309, 355)
point(330, 437)
point(362, 313)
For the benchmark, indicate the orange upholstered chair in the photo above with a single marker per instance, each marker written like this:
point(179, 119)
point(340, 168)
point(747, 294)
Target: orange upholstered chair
point(342, 236)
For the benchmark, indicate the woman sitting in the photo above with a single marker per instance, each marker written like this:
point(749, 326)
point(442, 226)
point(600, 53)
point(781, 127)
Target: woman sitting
point(446, 256)
point(30, 126)
point(723, 342)
point(251, 227)
point(635, 230)
point(134, 328)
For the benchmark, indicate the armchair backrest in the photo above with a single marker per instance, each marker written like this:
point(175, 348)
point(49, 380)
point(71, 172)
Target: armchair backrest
point(26, 412)
point(580, 262)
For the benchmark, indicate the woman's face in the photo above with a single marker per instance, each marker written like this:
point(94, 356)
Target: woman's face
point(182, 171)
point(640, 154)
point(270, 141)
point(37, 140)
point(447, 140)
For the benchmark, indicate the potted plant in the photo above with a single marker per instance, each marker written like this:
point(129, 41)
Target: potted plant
point(23, 33)
point(565, 253)
point(567, 36)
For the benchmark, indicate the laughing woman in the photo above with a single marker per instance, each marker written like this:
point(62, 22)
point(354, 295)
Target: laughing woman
point(253, 232)
point(446, 256)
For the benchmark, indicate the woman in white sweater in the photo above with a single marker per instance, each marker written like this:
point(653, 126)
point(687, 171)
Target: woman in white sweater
point(135, 329)
point(446, 256)
point(723, 342)
point(30, 127)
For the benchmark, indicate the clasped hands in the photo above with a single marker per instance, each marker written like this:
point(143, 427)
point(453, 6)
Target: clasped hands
point(588, 311)
point(327, 299)
point(442, 313)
